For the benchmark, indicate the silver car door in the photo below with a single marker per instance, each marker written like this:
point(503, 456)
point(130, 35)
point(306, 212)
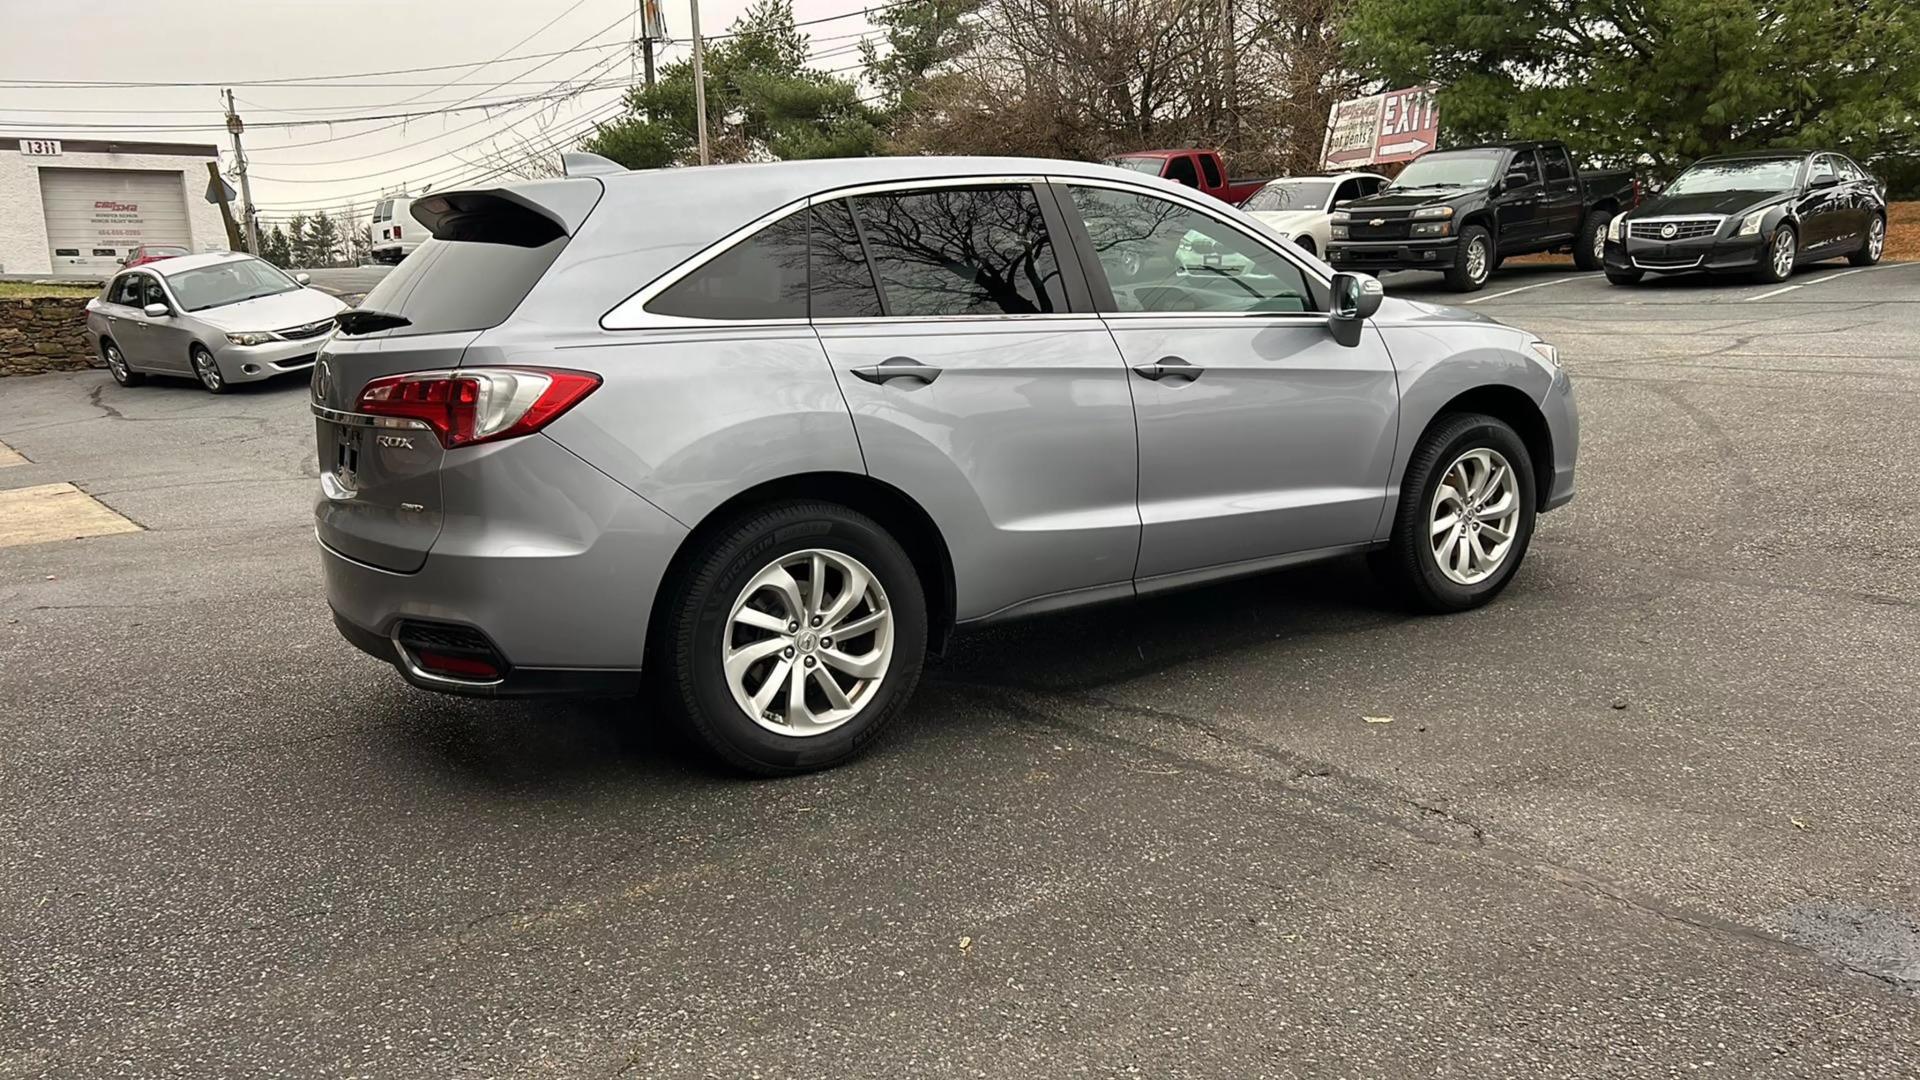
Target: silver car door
point(1260, 436)
point(169, 338)
point(124, 320)
point(979, 390)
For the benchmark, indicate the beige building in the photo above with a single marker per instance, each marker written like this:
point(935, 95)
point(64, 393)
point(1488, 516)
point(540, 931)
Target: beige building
point(77, 206)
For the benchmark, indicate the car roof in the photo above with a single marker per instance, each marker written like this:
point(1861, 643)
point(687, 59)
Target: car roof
point(1327, 176)
point(182, 263)
point(1765, 155)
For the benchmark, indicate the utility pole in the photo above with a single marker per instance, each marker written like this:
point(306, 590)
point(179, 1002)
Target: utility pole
point(645, 42)
point(699, 84)
point(234, 128)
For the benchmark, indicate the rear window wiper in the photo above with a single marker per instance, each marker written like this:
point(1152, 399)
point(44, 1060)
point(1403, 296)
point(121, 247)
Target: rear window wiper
point(367, 320)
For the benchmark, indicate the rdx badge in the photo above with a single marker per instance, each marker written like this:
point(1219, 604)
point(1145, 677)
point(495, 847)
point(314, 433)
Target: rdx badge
point(400, 441)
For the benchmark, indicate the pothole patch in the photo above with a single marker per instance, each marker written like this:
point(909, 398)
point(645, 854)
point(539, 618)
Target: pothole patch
point(1879, 942)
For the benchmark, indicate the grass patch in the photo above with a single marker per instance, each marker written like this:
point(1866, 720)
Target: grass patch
point(13, 290)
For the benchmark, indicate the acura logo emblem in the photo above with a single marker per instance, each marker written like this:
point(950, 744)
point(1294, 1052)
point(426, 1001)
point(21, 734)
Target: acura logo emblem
point(1668, 230)
point(322, 381)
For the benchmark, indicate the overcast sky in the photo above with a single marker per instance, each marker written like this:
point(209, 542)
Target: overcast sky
point(242, 42)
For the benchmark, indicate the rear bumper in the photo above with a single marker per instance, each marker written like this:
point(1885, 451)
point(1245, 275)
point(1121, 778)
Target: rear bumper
point(516, 682)
point(548, 559)
point(1707, 253)
point(1375, 255)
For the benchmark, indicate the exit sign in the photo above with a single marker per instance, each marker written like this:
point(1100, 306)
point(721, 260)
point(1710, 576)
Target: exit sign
point(40, 147)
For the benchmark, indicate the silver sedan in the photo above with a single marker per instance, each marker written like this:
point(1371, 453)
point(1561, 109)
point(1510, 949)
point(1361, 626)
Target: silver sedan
point(220, 318)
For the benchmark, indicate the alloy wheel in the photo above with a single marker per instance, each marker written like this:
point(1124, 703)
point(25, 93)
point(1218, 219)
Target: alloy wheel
point(1477, 260)
point(808, 642)
point(117, 364)
point(208, 370)
point(1876, 239)
point(1600, 244)
point(1783, 253)
point(1474, 515)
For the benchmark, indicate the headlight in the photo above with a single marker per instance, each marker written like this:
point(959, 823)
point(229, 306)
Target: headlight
point(1338, 230)
point(250, 338)
point(1545, 352)
point(1431, 228)
point(1433, 212)
point(1617, 228)
point(1341, 217)
point(1750, 225)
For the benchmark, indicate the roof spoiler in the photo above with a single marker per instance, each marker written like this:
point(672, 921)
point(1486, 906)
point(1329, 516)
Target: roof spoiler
point(524, 215)
point(581, 163)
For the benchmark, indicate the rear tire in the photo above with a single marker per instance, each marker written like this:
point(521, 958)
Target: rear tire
point(1457, 451)
point(118, 367)
point(728, 606)
point(1873, 245)
point(1625, 277)
point(1589, 248)
point(1305, 243)
point(1475, 260)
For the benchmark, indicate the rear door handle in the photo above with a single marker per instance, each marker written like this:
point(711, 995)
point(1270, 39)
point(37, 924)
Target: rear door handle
point(1169, 367)
point(897, 367)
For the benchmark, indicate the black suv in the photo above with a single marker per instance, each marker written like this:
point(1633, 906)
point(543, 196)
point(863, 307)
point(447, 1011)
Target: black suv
point(1462, 211)
point(1760, 213)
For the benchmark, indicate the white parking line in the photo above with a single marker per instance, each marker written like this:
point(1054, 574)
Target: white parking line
point(1540, 285)
point(1829, 277)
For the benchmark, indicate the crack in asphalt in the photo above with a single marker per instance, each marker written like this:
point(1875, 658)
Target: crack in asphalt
point(1462, 835)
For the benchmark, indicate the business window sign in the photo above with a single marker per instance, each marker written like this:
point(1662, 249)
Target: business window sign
point(1399, 125)
point(40, 147)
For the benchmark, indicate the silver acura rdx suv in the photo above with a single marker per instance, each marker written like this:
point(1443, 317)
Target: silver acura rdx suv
point(770, 433)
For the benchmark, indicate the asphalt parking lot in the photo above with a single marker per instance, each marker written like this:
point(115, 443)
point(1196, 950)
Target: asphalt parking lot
point(1653, 813)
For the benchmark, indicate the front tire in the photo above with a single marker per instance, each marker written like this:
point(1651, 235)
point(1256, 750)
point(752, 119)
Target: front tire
point(795, 638)
point(1873, 245)
point(1590, 247)
point(1475, 262)
point(1305, 243)
point(1465, 517)
point(1776, 263)
point(207, 370)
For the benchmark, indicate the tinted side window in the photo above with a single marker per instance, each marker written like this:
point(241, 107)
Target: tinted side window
point(1211, 168)
point(1180, 171)
point(1160, 256)
point(151, 292)
point(1348, 191)
point(761, 277)
point(1526, 163)
point(842, 285)
point(1558, 167)
point(126, 290)
point(961, 251)
point(1822, 167)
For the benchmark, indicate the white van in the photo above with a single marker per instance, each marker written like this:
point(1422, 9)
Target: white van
point(395, 233)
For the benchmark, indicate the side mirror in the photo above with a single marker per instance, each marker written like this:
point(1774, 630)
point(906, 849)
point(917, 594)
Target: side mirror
point(302, 278)
point(1826, 181)
point(1355, 298)
point(1517, 180)
point(156, 311)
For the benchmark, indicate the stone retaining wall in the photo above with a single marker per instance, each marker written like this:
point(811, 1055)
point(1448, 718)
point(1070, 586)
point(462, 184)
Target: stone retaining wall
point(43, 333)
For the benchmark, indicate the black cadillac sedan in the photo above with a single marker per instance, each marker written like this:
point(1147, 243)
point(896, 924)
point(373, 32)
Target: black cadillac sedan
point(1760, 213)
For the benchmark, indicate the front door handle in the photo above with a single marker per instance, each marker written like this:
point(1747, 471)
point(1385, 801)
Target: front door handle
point(897, 367)
point(1169, 367)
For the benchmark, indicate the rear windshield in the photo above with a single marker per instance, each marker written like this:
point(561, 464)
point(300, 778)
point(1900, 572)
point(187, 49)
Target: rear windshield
point(382, 209)
point(448, 285)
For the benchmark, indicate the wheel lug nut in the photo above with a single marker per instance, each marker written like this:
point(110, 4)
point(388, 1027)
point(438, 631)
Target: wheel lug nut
point(792, 626)
point(816, 620)
point(826, 643)
point(787, 652)
point(809, 661)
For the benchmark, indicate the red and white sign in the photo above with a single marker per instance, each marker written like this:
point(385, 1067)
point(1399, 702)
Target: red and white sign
point(1399, 125)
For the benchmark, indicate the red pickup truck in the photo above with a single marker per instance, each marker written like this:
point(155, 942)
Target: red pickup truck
point(1195, 168)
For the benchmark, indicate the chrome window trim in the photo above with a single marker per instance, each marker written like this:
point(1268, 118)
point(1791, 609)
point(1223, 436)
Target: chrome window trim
point(631, 313)
point(354, 419)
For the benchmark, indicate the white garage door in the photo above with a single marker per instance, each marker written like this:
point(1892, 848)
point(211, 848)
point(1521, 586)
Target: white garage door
point(95, 216)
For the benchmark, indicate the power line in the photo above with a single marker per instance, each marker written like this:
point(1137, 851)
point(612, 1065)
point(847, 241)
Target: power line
point(298, 80)
point(571, 8)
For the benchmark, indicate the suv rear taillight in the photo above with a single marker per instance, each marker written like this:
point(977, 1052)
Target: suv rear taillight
point(476, 405)
point(396, 232)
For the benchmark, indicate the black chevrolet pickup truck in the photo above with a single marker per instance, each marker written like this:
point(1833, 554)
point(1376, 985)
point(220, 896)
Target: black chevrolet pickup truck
point(1462, 211)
